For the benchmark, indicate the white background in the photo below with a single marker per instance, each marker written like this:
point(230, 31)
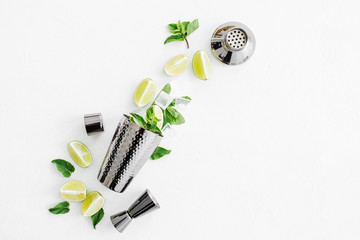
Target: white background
point(270, 149)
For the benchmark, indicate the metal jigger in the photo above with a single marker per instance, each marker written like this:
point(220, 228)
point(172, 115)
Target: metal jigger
point(144, 204)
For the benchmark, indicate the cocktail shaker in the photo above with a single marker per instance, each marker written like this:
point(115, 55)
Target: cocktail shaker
point(130, 147)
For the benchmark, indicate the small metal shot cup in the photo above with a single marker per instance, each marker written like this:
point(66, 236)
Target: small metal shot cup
point(144, 204)
point(93, 123)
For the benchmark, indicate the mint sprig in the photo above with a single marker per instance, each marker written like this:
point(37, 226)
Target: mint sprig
point(150, 122)
point(171, 116)
point(96, 218)
point(64, 167)
point(60, 208)
point(181, 31)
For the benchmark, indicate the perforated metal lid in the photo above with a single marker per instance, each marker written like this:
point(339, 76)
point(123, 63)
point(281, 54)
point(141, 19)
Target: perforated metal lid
point(233, 43)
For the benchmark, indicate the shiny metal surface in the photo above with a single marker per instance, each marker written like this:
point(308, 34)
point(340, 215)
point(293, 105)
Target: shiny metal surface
point(93, 123)
point(121, 220)
point(144, 204)
point(233, 43)
point(130, 147)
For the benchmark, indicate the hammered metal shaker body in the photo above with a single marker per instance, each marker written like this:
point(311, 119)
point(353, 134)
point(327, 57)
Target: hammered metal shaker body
point(144, 204)
point(130, 147)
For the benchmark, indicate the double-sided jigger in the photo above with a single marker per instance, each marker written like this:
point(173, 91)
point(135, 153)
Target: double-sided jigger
point(144, 204)
point(233, 43)
point(93, 123)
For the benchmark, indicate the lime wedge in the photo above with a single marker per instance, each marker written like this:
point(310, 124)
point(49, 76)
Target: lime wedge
point(144, 92)
point(177, 65)
point(202, 65)
point(73, 191)
point(92, 204)
point(159, 115)
point(79, 153)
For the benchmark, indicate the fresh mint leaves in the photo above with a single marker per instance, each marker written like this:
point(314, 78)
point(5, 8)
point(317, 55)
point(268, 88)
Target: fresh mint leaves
point(171, 115)
point(96, 218)
point(139, 119)
point(166, 88)
point(181, 31)
point(149, 124)
point(159, 153)
point(64, 167)
point(60, 208)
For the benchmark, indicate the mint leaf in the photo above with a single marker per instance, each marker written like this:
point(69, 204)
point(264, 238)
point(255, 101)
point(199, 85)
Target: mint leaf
point(173, 28)
point(186, 97)
point(175, 113)
point(179, 119)
point(168, 118)
point(191, 27)
point(173, 38)
point(151, 126)
point(184, 26)
point(96, 218)
point(64, 167)
point(173, 117)
point(140, 120)
point(60, 208)
point(159, 153)
point(167, 88)
point(150, 115)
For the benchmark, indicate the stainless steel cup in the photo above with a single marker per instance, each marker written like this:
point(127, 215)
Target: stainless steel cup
point(130, 147)
point(144, 204)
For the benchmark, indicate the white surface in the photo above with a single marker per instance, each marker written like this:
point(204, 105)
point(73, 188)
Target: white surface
point(270, 149)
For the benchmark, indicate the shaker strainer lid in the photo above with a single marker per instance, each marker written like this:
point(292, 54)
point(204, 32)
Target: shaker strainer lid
point(233, 43)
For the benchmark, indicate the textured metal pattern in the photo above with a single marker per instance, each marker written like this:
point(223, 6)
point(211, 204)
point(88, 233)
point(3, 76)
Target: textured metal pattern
point(93, 123)
point(233, 43)
point(144, 204)
point(236, 39)
point(130, 147)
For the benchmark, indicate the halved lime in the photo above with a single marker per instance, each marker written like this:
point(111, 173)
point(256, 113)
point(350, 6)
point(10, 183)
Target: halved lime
point(202, 65)
point(73, 191)
point(80, 153)
point(177, 65)
point(144, 92)
point(92, 204)
point(159, 115)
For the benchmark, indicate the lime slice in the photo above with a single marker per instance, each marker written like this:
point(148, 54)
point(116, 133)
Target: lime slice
point(144, 92)
point(202, 65)
point(159, 115)
point(80, 153)
point(177, 65)
point(92, 204)
point(73, 191)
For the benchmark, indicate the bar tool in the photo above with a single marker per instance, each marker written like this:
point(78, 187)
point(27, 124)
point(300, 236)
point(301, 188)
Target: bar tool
point(93, 123)
point(130, 147)
point(233, 43)
point(144, 204)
